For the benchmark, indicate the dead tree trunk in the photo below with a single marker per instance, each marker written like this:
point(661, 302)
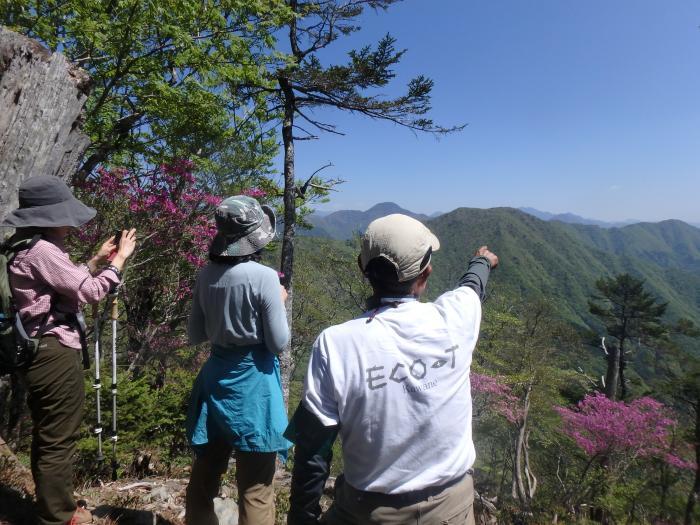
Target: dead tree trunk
point(287, 264)
point(41, 101)
point(42, 97)
point(524, 480)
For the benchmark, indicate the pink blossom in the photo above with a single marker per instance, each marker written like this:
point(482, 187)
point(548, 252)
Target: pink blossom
point(256, 193)
point(165, 205)
point(641, 428)
point(174, 217)
point(496, 394)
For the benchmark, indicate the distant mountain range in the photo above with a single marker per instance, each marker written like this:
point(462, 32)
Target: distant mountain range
point(342, 220)
point(345, 223)
point(571, 218)
point(553, 258)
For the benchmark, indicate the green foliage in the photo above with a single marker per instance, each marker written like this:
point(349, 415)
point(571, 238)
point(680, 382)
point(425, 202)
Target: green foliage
point(627, 311)
point(626, 308)
point(170, 78)
point(527, 348)
point(558, 261)
point(561, 261)
point(151, 412)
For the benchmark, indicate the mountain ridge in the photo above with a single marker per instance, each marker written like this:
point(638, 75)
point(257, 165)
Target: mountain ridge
point(563, 261)
point(343, 224)
point(555, 259)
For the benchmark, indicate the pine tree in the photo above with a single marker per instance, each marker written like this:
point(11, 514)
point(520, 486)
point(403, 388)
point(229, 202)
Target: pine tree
point(628, 311)
point(304, 84)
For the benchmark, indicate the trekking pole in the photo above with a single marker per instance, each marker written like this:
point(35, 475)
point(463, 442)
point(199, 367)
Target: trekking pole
point(113, 438)
point(97, 384)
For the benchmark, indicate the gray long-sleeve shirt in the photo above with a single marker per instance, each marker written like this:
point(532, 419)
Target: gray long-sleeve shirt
point(477, 276)
point(238, 305)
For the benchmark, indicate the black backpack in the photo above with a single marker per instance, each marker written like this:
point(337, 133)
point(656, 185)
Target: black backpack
point(17, 349)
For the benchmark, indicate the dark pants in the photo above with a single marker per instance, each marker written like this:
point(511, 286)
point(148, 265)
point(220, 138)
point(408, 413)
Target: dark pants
point(254, 474)
point(56, 398)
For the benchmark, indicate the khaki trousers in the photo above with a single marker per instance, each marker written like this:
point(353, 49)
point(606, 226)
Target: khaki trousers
point(454, 505)
point(254, 474)
point(56, 400)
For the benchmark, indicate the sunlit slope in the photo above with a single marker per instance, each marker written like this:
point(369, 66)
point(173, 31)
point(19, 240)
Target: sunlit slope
point(562, 261)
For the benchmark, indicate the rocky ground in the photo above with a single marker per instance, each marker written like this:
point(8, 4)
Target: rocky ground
point(153, 500)
point(147, 501)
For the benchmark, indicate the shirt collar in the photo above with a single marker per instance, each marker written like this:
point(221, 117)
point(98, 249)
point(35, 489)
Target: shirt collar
point(404, 299)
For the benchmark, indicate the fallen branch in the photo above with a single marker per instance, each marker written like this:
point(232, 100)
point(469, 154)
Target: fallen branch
point(137, 485)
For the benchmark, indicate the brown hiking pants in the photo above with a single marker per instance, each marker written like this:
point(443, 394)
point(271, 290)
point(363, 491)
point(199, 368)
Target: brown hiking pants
point(56, 398)
point(454, 506)
point(254, 474)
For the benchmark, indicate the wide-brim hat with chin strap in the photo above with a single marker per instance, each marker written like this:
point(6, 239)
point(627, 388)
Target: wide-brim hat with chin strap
point(46, 202)
point(243, 227)
point(403, 241)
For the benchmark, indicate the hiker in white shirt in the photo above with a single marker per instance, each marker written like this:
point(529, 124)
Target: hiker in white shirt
point(394, 383)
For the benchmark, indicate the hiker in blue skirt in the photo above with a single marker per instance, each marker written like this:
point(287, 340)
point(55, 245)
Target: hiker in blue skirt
point(237, 404)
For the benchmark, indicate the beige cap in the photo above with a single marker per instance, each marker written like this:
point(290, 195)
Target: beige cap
point(401, 240)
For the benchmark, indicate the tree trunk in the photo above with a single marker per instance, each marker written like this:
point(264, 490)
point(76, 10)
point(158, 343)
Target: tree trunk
point(623, 366)
point(612, 376)
point(287, 260)
point(524, 481)
point(695, 491)
point(42, 97)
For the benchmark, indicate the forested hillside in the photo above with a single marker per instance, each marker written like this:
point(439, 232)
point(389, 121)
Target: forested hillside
point(562, 261)
point(553, 259)
point(539, 354)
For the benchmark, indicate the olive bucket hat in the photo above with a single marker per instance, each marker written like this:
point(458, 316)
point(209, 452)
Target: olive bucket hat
point(47, 202)
point(243, 227)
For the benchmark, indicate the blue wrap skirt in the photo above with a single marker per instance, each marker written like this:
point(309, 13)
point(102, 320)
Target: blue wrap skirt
point(237, 397)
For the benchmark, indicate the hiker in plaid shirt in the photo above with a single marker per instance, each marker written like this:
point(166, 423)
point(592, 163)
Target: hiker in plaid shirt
point(49, 290)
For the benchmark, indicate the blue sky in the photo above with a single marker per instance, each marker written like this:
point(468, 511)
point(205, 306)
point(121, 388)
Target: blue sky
point(590, 107)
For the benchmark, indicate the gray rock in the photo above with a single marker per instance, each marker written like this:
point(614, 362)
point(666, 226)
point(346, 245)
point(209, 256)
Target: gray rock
point(226, 510)
point(160, 493)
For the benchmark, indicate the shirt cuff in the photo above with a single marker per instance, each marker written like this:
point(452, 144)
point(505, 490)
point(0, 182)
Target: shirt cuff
point(111, 275)
point(328, 420)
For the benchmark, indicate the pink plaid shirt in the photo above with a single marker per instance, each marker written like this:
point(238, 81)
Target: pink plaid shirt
point(46, 271)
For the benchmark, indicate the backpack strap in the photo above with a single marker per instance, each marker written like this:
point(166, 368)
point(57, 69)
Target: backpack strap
point(74, 320)
point(10, 249)
point(14, 248)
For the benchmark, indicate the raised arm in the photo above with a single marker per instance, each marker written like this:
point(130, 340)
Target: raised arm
point(53, 267)
point(478, 271)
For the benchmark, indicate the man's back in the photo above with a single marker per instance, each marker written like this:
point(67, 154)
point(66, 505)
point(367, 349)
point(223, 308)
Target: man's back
point(397, 381)
point(395, 384)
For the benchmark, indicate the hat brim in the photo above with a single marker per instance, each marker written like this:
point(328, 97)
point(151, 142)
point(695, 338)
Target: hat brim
point(71, 212)
point(248, 244)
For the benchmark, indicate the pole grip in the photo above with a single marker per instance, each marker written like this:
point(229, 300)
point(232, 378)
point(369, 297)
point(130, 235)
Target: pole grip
point(114, 315)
